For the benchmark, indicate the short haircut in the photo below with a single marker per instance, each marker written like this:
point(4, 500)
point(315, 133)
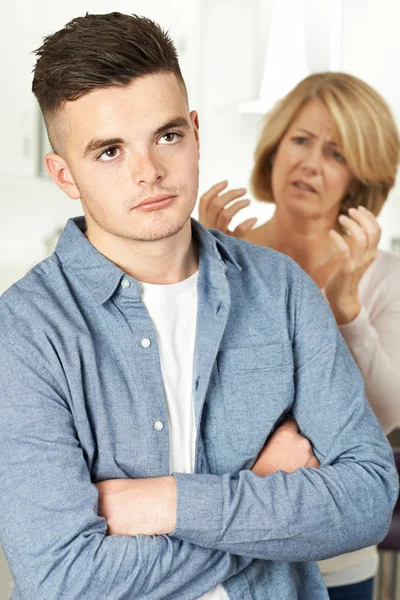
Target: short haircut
point(368, 132)
point(99, 51)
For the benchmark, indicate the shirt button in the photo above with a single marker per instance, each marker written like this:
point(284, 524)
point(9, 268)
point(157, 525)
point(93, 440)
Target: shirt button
point(145, 343)
point(158, 425)
point(125, 283)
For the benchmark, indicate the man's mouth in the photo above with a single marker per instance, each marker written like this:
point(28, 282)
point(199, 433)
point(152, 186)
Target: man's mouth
point(155, 202)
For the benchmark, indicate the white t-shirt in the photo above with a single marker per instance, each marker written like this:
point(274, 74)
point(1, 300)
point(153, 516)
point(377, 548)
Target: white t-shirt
point(173, 310)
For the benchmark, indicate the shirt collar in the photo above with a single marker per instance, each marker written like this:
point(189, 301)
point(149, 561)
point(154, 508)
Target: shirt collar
point(213, 245)
point(102, 276)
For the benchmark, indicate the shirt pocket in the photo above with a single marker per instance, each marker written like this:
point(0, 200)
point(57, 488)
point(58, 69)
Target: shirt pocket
point(257, 390)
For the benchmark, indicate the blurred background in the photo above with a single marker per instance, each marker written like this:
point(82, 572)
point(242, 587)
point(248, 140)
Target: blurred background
point(237, 59)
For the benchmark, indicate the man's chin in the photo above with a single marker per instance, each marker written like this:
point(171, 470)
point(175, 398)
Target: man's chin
point(159, 232)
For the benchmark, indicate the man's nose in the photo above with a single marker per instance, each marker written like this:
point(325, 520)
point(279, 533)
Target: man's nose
point(147, 169)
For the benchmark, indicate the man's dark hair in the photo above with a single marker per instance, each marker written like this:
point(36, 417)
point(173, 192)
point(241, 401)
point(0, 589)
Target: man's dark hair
point(99, 51)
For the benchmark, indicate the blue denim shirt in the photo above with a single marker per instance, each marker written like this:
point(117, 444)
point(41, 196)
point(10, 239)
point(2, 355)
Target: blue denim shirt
point(80, 396)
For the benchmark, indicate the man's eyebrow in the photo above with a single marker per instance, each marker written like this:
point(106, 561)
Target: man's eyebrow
point(97, 144)
point(174, 123)
point(311, 134)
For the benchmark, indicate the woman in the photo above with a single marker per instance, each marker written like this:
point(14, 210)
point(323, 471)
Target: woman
point(327, 157)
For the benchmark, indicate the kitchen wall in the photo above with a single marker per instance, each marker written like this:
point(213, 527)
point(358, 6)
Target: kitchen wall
point(222, 44)
point(370, 49)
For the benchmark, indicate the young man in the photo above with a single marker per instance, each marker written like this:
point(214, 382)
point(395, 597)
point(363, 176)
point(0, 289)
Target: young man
point(146, 346)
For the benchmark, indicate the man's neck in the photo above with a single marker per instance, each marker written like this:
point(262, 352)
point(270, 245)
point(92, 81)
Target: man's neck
point(162, 262)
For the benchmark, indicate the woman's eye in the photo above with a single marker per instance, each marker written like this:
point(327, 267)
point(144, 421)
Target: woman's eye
point(170, 138)
point(109, 154)
point(300, 141)
point(337, 156)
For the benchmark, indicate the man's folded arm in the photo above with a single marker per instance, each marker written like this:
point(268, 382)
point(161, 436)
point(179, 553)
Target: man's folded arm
point(54, 540)
point(313, 513)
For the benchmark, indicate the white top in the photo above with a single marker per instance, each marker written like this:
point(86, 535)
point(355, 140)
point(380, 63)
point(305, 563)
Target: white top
point(374, 340)
point(173, 310)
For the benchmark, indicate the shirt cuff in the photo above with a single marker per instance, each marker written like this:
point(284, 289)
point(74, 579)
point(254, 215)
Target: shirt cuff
point(199, 508)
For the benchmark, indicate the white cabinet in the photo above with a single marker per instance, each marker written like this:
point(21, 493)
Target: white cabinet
point(17, 105)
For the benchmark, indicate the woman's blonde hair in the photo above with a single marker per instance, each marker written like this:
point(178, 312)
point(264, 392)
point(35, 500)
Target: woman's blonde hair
point(369, 136)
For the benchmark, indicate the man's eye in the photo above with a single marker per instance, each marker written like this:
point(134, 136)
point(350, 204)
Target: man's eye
point(170, 138)
point(109, 154)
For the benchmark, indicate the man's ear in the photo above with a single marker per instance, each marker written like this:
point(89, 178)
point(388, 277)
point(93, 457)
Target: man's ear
point(61, 174)
point(195, 123)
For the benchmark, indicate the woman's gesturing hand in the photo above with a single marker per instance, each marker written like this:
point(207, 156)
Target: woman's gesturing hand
point(214, 214)
point(355, 254)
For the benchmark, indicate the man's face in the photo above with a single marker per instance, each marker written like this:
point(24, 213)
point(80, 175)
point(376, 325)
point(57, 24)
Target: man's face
point(131, 154)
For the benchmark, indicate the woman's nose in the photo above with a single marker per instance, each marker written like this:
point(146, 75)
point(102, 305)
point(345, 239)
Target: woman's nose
point(312, 161)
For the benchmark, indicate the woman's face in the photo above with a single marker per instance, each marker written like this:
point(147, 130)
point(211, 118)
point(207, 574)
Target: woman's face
point(309, 173)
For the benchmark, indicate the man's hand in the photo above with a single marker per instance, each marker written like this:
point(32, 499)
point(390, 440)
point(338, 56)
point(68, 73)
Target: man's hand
point(148, 506)
point(286, 450)
point(138, 506)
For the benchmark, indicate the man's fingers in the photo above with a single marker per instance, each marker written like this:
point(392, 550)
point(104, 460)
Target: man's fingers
point(313, 463)
point(290, 424)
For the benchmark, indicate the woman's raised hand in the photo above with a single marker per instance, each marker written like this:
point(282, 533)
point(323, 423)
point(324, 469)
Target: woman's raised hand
point(355, 254)
point(213, 211)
